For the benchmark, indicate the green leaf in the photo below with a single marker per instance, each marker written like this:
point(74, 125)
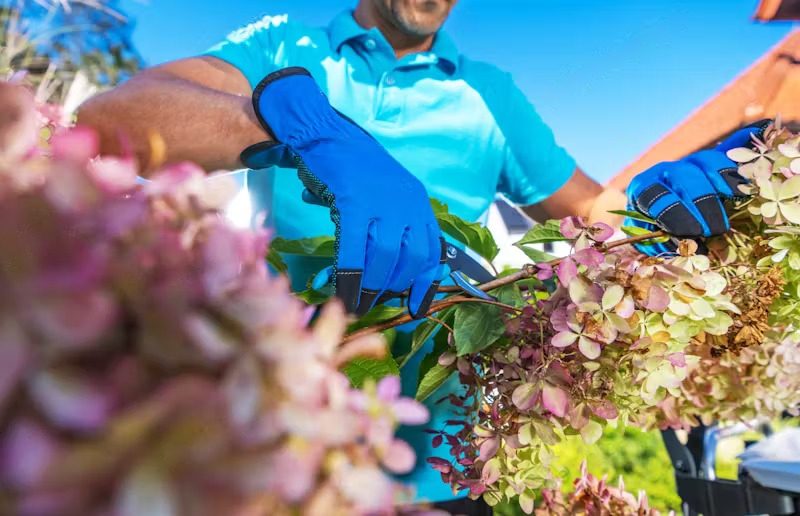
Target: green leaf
point(433, 379)
point(509, 295)
point(431, 374)
point(360, 369)
point(313, 297)
point(635, 215)
point(430, 360)
point(540, 233)
point(424, 331)
point(378, 314)
point(275, 260)
point(471, 234)
point(634, 231)
point(536, 255)
point(322, 246)
point(477, 326)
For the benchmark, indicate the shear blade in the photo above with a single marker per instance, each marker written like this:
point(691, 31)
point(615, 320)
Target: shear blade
point(461, 280)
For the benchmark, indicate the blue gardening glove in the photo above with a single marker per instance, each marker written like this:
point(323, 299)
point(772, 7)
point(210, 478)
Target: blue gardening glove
point(685, 197)
point(387, 238)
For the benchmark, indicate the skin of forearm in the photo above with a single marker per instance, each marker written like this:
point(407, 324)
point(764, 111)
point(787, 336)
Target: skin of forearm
point(185, 120)
point(609, 199)
point(581, 196)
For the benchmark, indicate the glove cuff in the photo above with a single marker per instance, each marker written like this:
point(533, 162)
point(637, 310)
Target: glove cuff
point(291, 107)
point(742, 137)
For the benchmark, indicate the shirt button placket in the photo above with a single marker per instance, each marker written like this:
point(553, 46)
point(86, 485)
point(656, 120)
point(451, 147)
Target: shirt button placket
point(389, 100)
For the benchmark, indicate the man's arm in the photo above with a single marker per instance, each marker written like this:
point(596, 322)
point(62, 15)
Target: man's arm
point(199, 107)
point(581, 196)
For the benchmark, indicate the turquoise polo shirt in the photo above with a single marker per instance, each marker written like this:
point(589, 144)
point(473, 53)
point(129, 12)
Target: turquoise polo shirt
point(461, 126)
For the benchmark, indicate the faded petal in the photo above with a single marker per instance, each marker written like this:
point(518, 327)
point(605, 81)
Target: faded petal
point(71, 401)
point(526, 501)
point(571, 227)
point(368, 487)
point(544, 271)
point(606, 409)
point(791, 211)
point(677, 359)
point(626, 307)
point(563, 339)
point(388, 388)
point(555, 400)
point(601, 232)
point(567, 271)
point(78, 320)
point(399, 457)
point(591, 432)
point(26, 453)
point(14, 357)
point(789, 189)
point(789, 150)
point(657, 299)
point(410, 412)
point(590, 348)
point(372, 346)
point(490, 472)
point(244, 391)
point(113, 175)
point(742, 154)
point(439, 464)
point(612, 296)
point(78, 144)
point(147, 490)
point(489, 448)
point(590, 257)
point(524, 396)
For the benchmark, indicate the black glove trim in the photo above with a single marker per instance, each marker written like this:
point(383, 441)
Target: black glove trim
point(248, 155)
point(266, 81)
point(650, 195)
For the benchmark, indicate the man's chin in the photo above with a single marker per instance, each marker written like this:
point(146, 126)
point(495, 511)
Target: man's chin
point(424, 18)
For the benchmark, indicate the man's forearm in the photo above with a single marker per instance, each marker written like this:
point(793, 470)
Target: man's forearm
point(196, 123)
point(609, 199)
point(582, 196)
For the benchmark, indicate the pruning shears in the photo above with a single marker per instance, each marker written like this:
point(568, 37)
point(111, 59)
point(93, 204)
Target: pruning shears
point(462, 267)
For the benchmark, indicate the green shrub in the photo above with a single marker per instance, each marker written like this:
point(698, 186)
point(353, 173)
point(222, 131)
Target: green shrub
point(640, 457)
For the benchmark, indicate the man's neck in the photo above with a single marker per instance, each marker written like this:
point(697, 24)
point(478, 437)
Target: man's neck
point(402, 43)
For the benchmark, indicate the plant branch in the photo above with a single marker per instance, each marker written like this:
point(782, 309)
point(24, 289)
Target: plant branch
point(527, 271)
point(435, 307)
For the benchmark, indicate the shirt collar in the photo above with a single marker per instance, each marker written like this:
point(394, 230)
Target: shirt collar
point(445, 49)
point(344, 28)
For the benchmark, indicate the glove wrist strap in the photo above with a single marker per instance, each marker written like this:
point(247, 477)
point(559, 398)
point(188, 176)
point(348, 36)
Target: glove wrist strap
point(297, 110)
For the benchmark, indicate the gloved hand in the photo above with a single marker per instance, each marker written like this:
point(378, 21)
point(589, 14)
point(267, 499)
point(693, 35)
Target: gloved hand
point(387, 238)
point(685, 197)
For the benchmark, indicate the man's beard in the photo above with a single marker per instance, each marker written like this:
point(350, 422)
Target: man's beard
point(410, 26)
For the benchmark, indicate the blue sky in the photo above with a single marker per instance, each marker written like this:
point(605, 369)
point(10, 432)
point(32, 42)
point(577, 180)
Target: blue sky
point(609, 76)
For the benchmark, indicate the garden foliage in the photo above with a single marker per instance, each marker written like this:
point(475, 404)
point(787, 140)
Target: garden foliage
point(150, 364)
point(606, 334)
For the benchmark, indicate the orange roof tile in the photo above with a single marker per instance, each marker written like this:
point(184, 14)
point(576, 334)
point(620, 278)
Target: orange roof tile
point(778, 10)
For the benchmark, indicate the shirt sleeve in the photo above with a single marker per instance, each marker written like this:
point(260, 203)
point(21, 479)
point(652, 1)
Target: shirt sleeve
point(253, 48)
point(534, 165)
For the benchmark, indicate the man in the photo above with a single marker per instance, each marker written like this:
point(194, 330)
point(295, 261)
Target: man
point(458, 127)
